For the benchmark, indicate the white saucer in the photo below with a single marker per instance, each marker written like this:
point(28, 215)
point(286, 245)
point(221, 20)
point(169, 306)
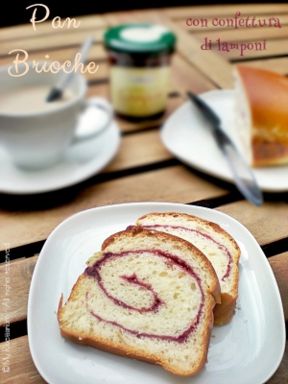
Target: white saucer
point(187, 137)
point(81, 161)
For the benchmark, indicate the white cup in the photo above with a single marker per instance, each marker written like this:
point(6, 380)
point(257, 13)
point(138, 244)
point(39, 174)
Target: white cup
point(40, 139)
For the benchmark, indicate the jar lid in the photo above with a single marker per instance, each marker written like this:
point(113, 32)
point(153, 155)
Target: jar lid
point(140, 38)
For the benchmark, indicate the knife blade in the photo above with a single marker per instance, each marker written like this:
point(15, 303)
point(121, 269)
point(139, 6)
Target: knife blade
point(242, 173)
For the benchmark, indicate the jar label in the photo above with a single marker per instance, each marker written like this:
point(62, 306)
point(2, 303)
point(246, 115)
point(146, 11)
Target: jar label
point(139, 91)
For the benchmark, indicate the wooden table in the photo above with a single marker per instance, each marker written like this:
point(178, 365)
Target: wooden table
point(143, 168)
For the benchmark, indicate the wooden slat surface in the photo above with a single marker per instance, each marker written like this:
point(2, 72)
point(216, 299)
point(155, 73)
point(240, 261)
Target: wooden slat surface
point(20, 273)
point(215, 26)
point(132, 154)
point(267, 223)
point(279, 64)
point(56, 40)
point(22, 369)
point(173, 184)
point(210, 65)
point(26, 30)
point(227, 9)
point(273, 48)
point(281, 375)
point(96, 53)
point(279, 265)
point(141, 152)
point(247, 34)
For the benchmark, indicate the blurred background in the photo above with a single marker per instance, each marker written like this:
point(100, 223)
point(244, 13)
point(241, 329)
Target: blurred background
point(15, 12)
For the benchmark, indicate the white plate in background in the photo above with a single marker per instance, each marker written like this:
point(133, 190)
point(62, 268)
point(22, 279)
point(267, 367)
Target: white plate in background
point(186, 136)
point(246, 351)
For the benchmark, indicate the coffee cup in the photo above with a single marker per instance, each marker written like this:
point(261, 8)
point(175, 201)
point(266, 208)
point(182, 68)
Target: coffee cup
point(36, 133)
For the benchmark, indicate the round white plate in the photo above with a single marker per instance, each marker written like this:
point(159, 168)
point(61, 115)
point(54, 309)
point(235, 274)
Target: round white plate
point(186, 135)
point(81, 161)
point(246, 351)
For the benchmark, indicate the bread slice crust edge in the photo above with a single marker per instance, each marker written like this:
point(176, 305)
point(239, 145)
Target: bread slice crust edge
point(128, 351)
point(223, 312)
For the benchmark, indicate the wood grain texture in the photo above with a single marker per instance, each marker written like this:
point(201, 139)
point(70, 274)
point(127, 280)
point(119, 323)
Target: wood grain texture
point(54, 41)
point(267, 223)
point(57, 42)
point(279, 64)
point(87, 23)
point(247, 34)
point(96, 53)
point(98, 90)
point(281, 375)
point(209, 64)
point(141, 149)
point(15, 280)
point(176, 184)
point(227, 9)
point(19, 274)
point(186, 77)
point(209, 27)
point(22, 368)
point(273, 48)
point(279, 265)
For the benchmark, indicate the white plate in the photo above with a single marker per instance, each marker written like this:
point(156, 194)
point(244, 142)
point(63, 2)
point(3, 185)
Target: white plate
point(81, 161)
point(187, 137)
point(246, 351)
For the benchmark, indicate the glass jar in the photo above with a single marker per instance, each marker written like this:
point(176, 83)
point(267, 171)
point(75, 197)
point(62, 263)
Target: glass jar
point(140, 57)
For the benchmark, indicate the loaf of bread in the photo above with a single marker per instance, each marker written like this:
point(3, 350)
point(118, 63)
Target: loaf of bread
point(262, 115)
point(217, 245)
point(146, 295)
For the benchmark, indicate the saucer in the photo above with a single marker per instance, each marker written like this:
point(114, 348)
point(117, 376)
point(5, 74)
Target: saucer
point(81, 161)
point(187, 136)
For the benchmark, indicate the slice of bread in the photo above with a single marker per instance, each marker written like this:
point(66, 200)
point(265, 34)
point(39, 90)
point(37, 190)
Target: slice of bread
point(147, 295)
point(218, 246)
point(262, 115)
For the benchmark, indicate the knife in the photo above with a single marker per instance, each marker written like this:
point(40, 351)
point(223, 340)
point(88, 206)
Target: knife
point(242, 173)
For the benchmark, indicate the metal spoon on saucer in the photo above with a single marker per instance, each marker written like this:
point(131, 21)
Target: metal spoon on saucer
point(57, 91)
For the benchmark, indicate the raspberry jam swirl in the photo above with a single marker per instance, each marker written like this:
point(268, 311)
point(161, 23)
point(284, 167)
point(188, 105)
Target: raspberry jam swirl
point(225, 251)
point(145, 305)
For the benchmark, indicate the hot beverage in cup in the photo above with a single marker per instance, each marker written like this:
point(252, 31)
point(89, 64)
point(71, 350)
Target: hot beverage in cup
point(37, 133)
point(27, 99)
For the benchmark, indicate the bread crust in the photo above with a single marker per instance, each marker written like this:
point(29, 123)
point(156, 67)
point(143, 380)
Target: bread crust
point(269, 153)
point(97, 341)
point(223, 312)
point(135, 353)
point(267, 95)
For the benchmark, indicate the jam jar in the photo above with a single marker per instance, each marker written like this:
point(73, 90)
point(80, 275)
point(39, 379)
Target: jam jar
point(140, 57)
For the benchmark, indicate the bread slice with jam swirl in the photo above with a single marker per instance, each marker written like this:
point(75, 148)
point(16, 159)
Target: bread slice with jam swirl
point(216, 244)
point(146, 295)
